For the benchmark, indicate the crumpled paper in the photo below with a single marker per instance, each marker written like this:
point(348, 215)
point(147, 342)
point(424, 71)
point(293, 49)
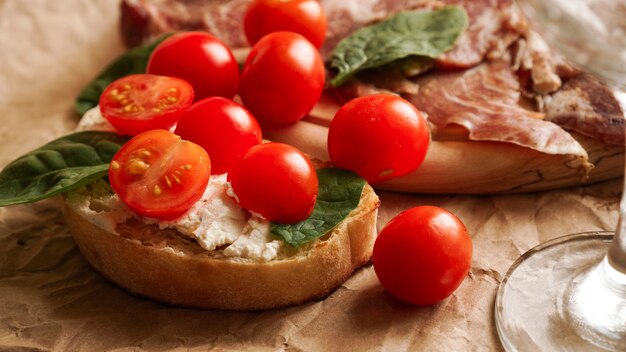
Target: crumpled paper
point(51, 299)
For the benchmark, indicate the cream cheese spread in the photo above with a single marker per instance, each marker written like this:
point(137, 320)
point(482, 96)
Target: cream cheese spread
point(215, 221)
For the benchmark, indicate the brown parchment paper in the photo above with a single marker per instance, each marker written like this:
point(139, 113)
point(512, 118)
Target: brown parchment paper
point(50, 299)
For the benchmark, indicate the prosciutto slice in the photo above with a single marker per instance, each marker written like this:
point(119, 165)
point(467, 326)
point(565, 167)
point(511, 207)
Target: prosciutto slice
point(144, 20)
point(484, 100)
point(586, 106)
point(494, 24)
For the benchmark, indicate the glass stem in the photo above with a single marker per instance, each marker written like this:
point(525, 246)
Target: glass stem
point(617, 252)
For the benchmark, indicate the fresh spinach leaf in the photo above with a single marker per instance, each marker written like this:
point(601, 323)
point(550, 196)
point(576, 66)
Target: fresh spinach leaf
point(59, 166)
point(339, 193)
point(410, 33)
point(131, 62)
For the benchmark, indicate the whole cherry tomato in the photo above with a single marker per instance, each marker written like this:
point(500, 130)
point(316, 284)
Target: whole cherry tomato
point(139, 103)
point(282, 79)
point(200, 59)
point(304, 17)
point(158, 175)
point(422, 255)
point(225, 129)
point(379, 137)
point(277, 181)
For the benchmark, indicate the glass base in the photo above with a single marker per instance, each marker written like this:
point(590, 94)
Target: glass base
point(562, 295)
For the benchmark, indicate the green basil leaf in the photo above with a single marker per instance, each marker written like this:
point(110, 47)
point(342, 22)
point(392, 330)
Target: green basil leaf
point(131, 62)
point(339, 193)
point(59, 166)
point(421, 33)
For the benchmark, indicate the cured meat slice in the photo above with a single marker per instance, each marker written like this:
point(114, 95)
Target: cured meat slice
point(587, 106)
point(494, 24)
point(484, 100)
point(144, 20)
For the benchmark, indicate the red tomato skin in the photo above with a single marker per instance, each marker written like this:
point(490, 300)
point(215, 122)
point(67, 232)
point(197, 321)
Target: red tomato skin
point(305, 17)
point(379, 137)
point(225, 129)
point(277, 181)
point(422, 255)
point(137, 190)
point(199, 58)
point(282, 79)
point(131, 123)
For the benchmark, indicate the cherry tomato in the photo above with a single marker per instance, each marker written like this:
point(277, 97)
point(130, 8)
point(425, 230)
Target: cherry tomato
point(200, 59)
point(139, 103)
point(282, 78)
point(277, 181)
point(304, 17)
point(225, 129)
point(158, 175)
point(379, 137)
point(422, 255)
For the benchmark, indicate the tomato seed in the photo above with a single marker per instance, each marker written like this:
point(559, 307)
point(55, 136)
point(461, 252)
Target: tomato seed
point(144, 153)
point(157, 190)
point(137, 167)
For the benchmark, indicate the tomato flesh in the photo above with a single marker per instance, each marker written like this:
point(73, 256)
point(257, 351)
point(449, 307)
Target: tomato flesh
point(305, 17)
point(225, 129)
point(379, 137)
point(277, 181)
point(199, 58)
point(159, 175)
point(142, 102)
point(422, 255)
point(282, 79)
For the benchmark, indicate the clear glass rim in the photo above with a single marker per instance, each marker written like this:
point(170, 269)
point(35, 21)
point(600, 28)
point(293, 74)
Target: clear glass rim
point(606, 236)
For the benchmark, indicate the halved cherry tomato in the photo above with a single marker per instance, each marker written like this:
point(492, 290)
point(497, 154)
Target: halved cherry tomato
point(422, 255)
point(159, 175)
point(142, 102)
point(282, 78)
point(304, 17)
point(379, 137)
point(277, 181)
point(200, 59)
point(225, 129)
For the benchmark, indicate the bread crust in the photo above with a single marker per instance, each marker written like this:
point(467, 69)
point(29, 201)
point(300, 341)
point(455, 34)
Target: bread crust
point(201, 281)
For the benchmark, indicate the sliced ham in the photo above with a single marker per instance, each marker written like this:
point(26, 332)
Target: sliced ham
point(586, 106)
point(494, 24)
point(484, 100)
point(144, 20)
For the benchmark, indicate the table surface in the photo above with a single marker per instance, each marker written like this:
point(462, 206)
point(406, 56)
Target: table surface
point(50, 299)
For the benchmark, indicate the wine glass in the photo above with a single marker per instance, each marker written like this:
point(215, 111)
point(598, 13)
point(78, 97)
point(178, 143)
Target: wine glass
point(570, 293)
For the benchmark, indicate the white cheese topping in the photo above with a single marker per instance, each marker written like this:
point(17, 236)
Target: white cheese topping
point(215, 221)
point(94, 121)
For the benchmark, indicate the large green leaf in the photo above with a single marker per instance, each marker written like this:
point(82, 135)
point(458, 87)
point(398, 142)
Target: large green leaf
point(339, 193)
point(131, 62)
point(411, 33)
point(58, 167)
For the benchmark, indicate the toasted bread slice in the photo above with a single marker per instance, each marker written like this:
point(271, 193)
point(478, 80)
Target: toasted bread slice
point(171, 268)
